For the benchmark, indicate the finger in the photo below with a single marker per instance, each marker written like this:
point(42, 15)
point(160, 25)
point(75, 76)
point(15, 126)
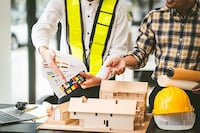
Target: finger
point(121, 70)
point(57, 70)
point(54, 65)
point(110, 63)
point(108, 73)
point(82, 74)
point(117, 71)
point(85, 75)
point(50, 58)
point(85, 84)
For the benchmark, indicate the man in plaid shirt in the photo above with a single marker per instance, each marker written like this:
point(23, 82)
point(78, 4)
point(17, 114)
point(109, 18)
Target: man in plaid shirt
point(172, 33)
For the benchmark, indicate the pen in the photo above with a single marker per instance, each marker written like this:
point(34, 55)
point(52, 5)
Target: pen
point(29, 109)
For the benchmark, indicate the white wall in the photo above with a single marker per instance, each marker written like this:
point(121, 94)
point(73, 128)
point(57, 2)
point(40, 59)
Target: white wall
point(5, 52)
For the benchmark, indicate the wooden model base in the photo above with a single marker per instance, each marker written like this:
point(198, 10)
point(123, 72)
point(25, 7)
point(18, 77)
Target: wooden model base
point(74, 126)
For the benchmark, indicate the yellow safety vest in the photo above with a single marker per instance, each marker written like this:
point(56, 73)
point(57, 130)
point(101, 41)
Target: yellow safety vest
point(100, 33)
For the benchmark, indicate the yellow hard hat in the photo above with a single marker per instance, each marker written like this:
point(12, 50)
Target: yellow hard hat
point(172, 100)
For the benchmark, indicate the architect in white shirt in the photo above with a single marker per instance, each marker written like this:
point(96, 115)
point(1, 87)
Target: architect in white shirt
point(90, 18)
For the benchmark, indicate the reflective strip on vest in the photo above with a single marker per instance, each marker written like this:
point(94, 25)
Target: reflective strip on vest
point(99, 36)
point(75, 35)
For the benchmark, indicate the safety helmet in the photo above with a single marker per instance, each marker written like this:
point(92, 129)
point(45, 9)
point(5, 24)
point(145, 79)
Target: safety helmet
point(173, 110)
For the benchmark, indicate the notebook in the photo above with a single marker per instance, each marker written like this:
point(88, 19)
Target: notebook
point(12, 114)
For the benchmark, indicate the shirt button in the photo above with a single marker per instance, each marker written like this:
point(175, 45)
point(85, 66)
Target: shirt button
point(88, 33)
point(90, 4)
point(181, 39)
point(88, 16)
point(177, 54)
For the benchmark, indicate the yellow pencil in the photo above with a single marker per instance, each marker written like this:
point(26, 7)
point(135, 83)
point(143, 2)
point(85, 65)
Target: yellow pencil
point(40, 117)
point(29, 109)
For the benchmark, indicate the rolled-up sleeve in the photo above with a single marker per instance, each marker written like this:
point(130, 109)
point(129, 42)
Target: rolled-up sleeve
point(145, 42)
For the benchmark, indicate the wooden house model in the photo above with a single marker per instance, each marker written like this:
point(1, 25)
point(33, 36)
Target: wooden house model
point(120, 108)
point(103, 113)
point(59, 113)
point(131, 90)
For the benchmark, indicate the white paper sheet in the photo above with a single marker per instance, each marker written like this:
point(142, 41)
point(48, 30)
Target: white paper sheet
point(70, 66)
point(165, 81)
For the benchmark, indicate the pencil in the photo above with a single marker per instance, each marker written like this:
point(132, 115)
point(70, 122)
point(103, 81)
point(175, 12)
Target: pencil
point(29, 109)
point(40, 117)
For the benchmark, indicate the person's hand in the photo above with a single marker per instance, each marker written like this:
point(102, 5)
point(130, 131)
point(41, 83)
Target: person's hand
point(116, 66)
point(196, 89)
point(91, 80)
point(49, 56)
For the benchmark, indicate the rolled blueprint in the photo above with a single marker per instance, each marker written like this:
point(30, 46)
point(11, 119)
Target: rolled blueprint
point(183, 74)
point(165, 81)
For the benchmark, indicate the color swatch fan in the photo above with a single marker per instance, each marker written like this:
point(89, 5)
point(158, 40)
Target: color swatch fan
point(70, 66)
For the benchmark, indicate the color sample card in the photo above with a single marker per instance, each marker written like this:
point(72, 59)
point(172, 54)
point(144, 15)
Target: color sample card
point(73, 84)
point(70, 66)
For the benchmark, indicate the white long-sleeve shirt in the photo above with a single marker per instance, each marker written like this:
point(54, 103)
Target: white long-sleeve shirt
point(46, 27)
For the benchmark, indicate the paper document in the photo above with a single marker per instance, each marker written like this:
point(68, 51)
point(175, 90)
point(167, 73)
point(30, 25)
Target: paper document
point(70, 66)
point(165, 81)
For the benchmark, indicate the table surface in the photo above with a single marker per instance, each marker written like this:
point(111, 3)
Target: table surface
point(32, 127)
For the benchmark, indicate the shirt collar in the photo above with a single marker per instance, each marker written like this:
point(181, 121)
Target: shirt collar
point(92, 2)
point(195, 9)
point(192, 12)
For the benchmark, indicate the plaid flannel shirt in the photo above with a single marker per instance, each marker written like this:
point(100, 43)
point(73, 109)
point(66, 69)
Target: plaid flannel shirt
point(174, 39)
